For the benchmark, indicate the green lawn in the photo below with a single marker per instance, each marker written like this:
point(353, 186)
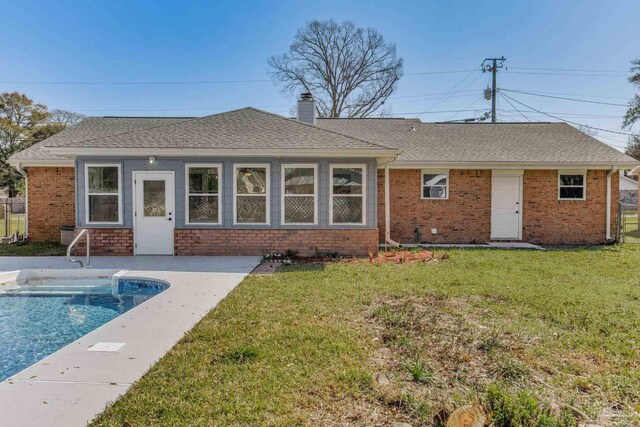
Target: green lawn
point(32, 249)
point(15, 223)
point(526, 334)
point(630, 230)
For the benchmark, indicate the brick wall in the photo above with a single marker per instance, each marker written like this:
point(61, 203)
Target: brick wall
point(51, 202)
point(262, 242)
point(107, 241)
point(463, 218)
point(551, 221)
point(466, 216)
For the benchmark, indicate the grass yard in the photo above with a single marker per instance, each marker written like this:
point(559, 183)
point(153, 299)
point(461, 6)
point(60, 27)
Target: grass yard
point(536, 338)
point(630, 230)
point(32, 249)
point(14, 223)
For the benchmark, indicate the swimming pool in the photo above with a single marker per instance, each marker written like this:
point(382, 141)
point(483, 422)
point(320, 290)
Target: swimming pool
point(38, 318)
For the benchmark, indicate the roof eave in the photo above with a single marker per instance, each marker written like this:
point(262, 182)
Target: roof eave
point(191, 152)
point(41, 162)
point(404, 164)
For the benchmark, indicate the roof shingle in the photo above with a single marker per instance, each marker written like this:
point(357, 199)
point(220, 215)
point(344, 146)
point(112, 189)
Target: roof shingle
point(481, 142)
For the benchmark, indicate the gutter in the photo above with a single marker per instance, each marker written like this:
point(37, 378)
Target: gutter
point(387, 209)
point(613, 170)
point(26, 198)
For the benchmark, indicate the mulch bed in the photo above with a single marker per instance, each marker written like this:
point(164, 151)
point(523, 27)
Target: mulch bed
point(400, 257)
point(383, 257)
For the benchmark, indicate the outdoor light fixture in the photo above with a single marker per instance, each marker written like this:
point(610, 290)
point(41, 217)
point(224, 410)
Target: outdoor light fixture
point(152, 159)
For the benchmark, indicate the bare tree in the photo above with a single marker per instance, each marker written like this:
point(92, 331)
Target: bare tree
point(633, 112)
point(633, 146)
point(65, 118)
point(349, 71)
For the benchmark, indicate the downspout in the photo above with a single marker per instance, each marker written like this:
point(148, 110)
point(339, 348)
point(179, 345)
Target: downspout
point(613, 170)
point(387, 209)
point(26, 199)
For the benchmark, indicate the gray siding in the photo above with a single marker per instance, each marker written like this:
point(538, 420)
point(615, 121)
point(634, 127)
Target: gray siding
point(178, 167)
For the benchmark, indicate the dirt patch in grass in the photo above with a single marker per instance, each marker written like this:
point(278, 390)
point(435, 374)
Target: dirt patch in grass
point(439, 353)
point(394, 256)
point(399, 257)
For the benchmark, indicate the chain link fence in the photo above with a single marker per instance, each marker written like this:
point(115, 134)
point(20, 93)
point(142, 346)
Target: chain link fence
point(628, 231)
point(12, 219)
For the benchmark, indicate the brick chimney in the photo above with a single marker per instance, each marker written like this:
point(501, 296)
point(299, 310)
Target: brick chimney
point(307, 109)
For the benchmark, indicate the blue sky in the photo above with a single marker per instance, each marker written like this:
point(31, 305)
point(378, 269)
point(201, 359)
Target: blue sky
point(153, 41)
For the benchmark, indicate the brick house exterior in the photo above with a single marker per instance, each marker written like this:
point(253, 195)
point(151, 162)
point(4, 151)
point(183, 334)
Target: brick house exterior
point(51, 201)
point(451, 183)
point(465, 217)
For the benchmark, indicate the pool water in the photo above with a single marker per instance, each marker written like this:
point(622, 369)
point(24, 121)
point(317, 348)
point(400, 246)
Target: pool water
point(36, 320)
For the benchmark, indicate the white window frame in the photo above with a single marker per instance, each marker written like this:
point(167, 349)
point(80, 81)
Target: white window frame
point(313, 166)
point(87, 194)
point(188, 166)
point(434, 172)
point(584, 186)
point(363, 166)
point(267, 167)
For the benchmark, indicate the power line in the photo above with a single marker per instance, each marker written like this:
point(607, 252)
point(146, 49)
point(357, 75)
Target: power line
point(188, 82)
point(562, 74)
point(432, 93)
point(437, 72)
point(581, 95)
point(565, 120)
point(560, 97)
point(435, 112)
point(177, 82)
point(470, 105)
point(569, 69)
point(515, 108)
point(443, 97)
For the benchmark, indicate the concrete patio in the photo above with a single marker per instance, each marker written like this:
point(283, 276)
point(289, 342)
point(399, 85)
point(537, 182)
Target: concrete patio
point(71, 386)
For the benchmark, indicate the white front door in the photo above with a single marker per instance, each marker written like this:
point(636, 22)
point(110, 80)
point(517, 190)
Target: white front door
point(153, 212)
point(506, 209)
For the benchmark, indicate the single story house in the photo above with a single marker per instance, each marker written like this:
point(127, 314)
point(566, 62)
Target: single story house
point(252, 182)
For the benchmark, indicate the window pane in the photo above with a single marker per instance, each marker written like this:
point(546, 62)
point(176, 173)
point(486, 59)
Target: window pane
point(251, 209)
point(103, 179)
point(347, 181)
point(203, 209)
point(571, 179)
point(154, 198)
point(203, 180)
point(103, 208)
point(299, 209)
point(347, 209)
point(431, 179)
point(299, 180)
point(571, 192)
point(251, 180)
point(436, 192)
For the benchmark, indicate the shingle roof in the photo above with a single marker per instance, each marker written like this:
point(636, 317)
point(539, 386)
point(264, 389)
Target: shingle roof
point(251, 129)
point(481, 142)
point(89, 128)
point(247, 128)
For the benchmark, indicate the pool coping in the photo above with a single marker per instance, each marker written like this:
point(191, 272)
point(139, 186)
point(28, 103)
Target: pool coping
point(72, 385)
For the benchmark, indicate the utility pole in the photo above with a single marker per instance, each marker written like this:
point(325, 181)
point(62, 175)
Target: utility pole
point(493, 67)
